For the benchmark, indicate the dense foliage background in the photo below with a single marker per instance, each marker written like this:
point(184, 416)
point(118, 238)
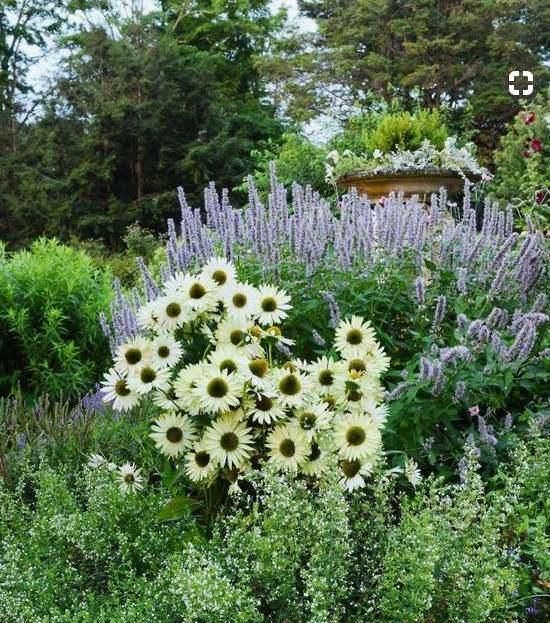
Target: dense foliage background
point(134, 103)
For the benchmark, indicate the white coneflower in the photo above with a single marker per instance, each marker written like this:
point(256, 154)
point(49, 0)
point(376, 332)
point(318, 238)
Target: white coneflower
point(232, 331)
point(172, 312)
point(326, 374)
point(132, 354)
point(377, 360)
point(199, 464)
point(218, 391)
point(273, 305)
point(241, 301)
point(276, 334)
point(378, 412)
point(292, 386)
point(267, 409)
point(166, 399)
point(315, 465)
point(165, 351)
point(288, 447)
point(228, 441)
point(147, 316)
point(412, 473)
point(257, 373)
point(147, 378)
point(230, 358)
point(353, 473)
point(354, 336)
point(185, 385)
point(220, 271)
point(312, 419)
point(200, 293)
point(173, 434)
point(96, 460)
point(115, 390)
point(357, 436)
point(130, 479)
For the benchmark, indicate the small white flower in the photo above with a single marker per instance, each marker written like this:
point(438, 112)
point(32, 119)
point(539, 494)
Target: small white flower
point(96, 460)
point(130, 479)
point(412, 473)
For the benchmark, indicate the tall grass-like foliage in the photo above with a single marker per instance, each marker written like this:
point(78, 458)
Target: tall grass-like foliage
point(50, 342)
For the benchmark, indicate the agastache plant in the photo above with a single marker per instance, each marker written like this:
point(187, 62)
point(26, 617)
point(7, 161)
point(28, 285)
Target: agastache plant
point(306, 229)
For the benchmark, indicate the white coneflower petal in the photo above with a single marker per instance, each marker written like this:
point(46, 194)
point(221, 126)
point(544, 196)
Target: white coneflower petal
point(115, 390)
point(288, 447)
point(228, 441)
point(130, 479)
point(173, 434)
point(273, 305)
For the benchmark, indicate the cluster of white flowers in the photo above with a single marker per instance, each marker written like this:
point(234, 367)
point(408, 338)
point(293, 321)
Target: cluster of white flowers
point(459, 160)
point(236, 407)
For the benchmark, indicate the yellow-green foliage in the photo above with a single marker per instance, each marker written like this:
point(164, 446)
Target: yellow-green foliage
point(407, 131)
point(50, 338)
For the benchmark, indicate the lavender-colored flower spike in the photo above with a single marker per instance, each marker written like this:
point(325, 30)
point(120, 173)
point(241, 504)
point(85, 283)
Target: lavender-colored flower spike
point(420, 290)
point(440, 309)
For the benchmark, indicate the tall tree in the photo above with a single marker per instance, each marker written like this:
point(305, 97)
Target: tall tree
point(144, 103)
point(453, 53)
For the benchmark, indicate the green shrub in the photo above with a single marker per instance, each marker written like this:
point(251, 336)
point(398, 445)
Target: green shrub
point(50, 338)
point(406, 131)
point(296, 159)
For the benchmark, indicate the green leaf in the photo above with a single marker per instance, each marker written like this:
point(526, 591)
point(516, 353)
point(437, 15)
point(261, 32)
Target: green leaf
point(429, 264)
point(176, 508)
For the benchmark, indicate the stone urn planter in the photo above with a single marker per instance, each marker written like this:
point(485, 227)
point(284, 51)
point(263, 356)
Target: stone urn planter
point(413, 182)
